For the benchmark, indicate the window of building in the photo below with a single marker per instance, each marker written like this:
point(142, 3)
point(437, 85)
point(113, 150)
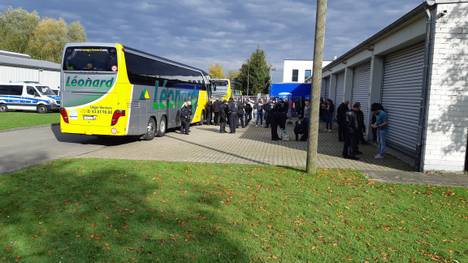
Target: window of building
point(295, 75)
point(307, 74)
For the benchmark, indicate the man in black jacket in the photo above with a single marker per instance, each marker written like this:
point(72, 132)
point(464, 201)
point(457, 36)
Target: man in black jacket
point(208, 112)
point(248, 112)
point(216, 109)
point(341, 119)
point(232, 111)
point(350, 128)
point(274, 117)
point(185, 117)
point(360, 123)
point(223, 116)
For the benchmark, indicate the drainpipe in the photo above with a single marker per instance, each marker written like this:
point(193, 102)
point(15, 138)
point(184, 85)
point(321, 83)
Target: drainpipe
point(428, 54)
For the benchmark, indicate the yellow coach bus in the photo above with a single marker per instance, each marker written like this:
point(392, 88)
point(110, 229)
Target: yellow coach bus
point(221, 89)
point(111, 89)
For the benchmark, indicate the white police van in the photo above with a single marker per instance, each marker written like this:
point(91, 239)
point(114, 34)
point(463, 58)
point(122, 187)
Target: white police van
point(31, 96)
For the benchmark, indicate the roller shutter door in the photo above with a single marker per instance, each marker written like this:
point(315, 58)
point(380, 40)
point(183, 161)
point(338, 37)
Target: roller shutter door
point(401, 97)
point(324, 90)
point(361, 85)
point(339, 91)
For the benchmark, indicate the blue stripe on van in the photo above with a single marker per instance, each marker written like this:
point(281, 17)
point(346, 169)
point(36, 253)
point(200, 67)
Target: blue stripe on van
point(21, 100)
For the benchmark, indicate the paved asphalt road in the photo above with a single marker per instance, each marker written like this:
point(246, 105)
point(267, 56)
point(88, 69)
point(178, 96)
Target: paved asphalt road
point(26, 147)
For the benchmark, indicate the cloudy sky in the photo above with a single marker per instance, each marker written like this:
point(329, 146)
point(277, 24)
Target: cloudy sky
point(204, 32)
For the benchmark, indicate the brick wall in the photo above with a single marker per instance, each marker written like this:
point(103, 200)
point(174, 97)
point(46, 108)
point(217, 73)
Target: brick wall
point(447, 126)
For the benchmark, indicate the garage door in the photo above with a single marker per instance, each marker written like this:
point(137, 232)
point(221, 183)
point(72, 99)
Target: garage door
point(339, 91)
point(325, 86)
point(361, 84)
point(401, 96)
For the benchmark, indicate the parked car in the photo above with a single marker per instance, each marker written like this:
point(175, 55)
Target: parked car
point(28, 96)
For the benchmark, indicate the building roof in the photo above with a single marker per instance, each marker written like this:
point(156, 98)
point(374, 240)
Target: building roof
point(14, 60)
point(379, 35)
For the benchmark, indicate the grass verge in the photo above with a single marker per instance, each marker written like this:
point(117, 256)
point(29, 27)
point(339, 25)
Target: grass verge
point(19, 119)
point(109, 210)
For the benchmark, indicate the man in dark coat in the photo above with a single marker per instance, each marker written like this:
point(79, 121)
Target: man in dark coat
point(361, 125)
point(208, 112)
point(232, 111)
point(216, 110)
point(185, 117)
point(350, 128)
point(275, 116)
point(341, 119)
point(223, 116)
point(248, 112)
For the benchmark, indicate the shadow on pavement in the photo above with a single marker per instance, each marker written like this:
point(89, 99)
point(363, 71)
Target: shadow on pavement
point(93, 140)
point(218, 150)
point(328, 145)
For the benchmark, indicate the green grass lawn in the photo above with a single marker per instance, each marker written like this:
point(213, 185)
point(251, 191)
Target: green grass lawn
point(140, 211)
point(24, 119)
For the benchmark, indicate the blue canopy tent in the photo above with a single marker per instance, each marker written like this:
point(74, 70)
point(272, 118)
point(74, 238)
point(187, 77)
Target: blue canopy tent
point(290, 90)
point(296, 93)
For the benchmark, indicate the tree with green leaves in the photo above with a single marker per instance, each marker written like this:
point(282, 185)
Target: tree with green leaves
point(48, 40)
point(254, 74)
point(25, 32)
point(216, 71)
point(76, 32)
point(16, 28)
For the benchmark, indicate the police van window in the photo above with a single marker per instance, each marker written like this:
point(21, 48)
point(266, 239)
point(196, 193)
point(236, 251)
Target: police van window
point(11, 90)
point(31, 91)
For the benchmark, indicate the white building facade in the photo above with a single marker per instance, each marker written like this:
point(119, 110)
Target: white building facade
point(417, 68)
point(16, 67)
point(298, 70)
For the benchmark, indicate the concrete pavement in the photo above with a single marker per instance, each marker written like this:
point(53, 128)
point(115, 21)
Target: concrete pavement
point(25, 147)
point(251, 145)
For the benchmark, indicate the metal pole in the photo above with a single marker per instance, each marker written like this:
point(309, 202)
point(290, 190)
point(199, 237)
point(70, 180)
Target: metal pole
point(315, 87)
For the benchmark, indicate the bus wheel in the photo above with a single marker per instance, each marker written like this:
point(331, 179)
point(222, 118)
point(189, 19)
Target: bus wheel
point(41, 109)
point(3, 107)
point(150, 130)
point(162, 127)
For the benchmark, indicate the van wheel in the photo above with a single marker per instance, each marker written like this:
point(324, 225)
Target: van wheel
point(162, 127)
point(150, 130)
point(41, 109)
point(3, 108)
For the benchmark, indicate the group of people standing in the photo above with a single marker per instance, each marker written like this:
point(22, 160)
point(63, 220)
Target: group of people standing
point(272, 114)
point(351, 128)
point(234, 113)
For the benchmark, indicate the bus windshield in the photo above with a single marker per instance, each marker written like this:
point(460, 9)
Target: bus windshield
point(90, 59)
point(220, 86)
point(44, 90)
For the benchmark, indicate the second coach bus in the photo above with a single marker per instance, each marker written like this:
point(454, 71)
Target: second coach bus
point(221, 89)
point(111, 89)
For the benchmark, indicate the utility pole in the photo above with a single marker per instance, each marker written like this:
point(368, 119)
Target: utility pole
point(314, 121)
